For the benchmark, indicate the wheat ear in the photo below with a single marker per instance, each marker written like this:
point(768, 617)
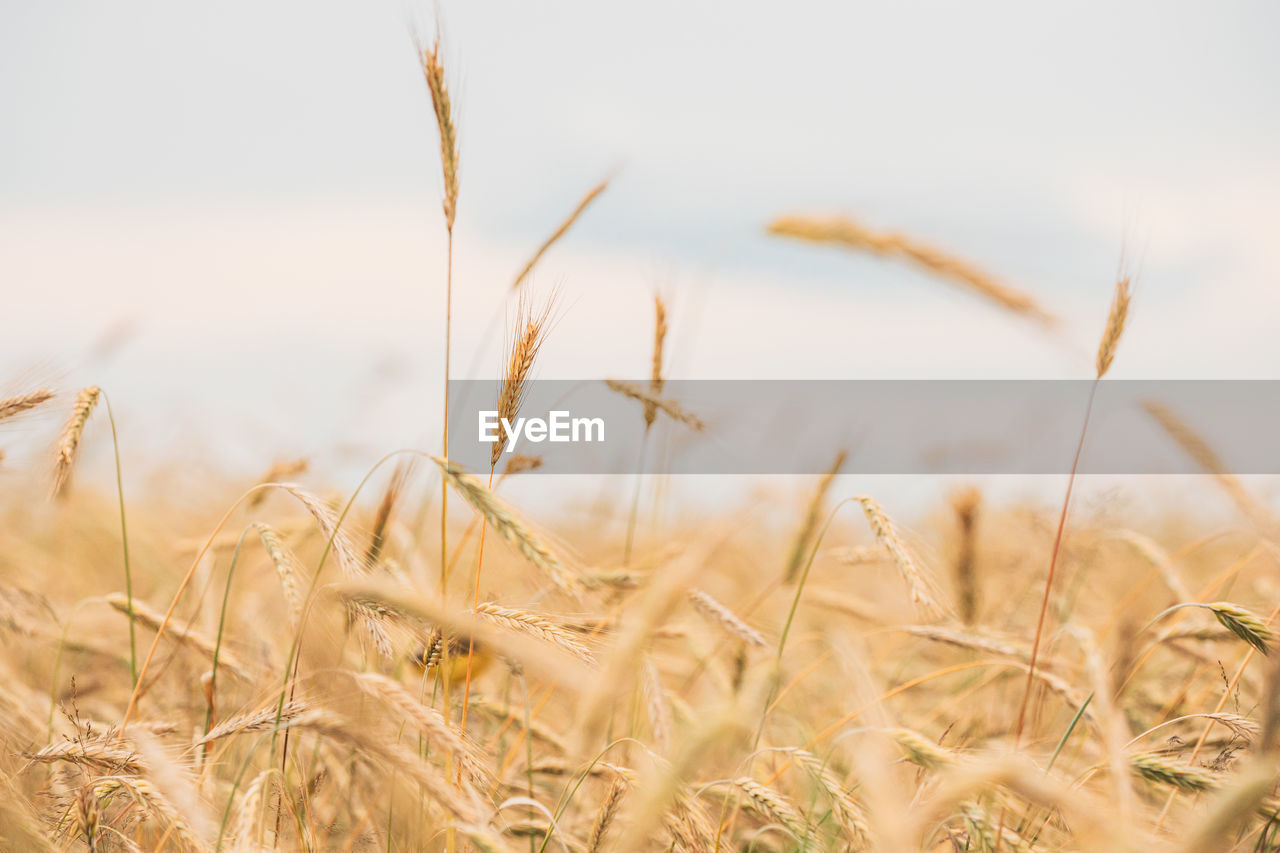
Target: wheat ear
point(592, 195)
point(433, 71)
point(14, 406)
point(667, 407)
point(510, 528)
point(716, 612)
point(69, 441)
point(887, 535)
point(1115, 327)
point(846, 232)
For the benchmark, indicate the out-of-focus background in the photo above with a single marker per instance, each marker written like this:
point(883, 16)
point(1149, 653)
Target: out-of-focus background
point(228, 215)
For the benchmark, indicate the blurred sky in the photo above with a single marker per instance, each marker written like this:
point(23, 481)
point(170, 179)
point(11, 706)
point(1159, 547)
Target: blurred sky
point(228, 214)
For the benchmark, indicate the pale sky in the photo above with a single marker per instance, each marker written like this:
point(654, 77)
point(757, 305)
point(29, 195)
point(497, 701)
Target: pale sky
point(251, 191)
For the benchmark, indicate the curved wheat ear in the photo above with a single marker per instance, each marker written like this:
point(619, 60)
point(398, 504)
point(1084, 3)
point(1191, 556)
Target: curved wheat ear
point(773, 805)
point(287, 567)
point(667, 407)
point(150, 799)
point(1115, 326)
point(991, 836)
point(846, 232)
point(531, 330)
point(430, 722)
point(1199, 450)
point(327, 520)
point(14, 406)
point(724, 617)
point(850, 815)
point(106, 754)
point(1153, 768)
point(459, 801)
point(804, 539)
point(266, 718)
point(605, 816)
point(519, 463)
point(655, 374)
point(919, 750)
point(964, 640)
point(510, 528)
point(386, 507)
point(1245, 624)
point(656, 704)
point(189, 637)
point(1156, 556)
point(69, 442)
point(433, 70)
point(887, 536)
point(592, 195)
point(245, 828)
point(534, 625)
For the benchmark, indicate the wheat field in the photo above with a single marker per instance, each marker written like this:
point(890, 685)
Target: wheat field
point(416, 665)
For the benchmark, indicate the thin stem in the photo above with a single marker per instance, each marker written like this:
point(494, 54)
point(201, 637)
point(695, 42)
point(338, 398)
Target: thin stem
point(1053, 565)
point(124, 539)
point(475, 605)
point(450, 832)
point(1048, 586)
point(635, 500)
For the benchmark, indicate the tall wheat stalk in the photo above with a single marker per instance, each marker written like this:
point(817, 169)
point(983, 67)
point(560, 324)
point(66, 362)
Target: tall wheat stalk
point(433, 70)
point(530, 332)
point(1106, 355)
point(656, 381)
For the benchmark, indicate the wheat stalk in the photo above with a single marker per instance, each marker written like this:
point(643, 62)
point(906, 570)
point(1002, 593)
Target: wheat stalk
point(846, 232)
point(804, 539)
